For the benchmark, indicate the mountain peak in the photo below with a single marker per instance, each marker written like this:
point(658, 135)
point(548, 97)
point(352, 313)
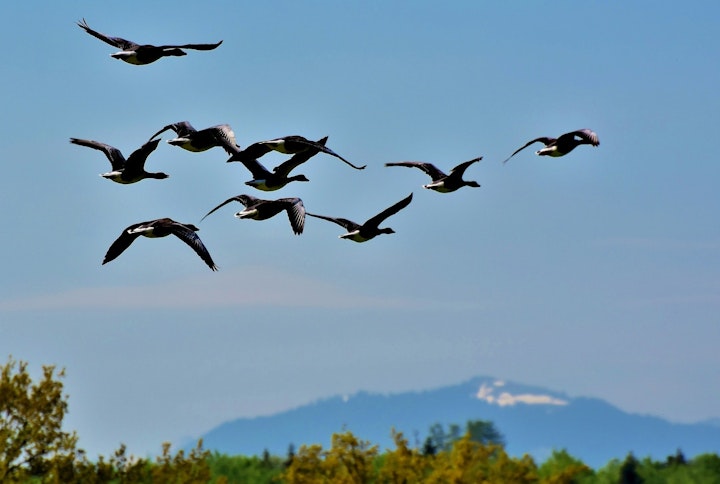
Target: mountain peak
point(533, 420)
point(487, 392)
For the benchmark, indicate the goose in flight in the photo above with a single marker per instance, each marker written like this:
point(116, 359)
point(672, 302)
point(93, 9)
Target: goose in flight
point(259, 209)
point(137, 54)
point(161, 227)
point(440, 181)
point(124, 171)
point(268, 181)
point(371, 228)
point(563, 145)
point(195, 140)
point(289, 145)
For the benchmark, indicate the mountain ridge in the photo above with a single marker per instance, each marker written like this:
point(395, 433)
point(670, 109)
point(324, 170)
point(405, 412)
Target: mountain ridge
point(532, 419)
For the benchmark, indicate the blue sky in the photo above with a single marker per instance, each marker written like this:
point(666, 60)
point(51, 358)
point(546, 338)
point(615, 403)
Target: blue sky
point(597, 274)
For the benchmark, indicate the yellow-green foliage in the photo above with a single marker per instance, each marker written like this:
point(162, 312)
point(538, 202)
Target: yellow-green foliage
point(35, 449)
point(350, 461)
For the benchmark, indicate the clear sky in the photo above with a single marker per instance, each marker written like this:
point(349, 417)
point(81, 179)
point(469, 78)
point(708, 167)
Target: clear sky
point(597, 274)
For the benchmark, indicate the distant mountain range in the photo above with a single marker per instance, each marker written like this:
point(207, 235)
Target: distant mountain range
point(533, 420)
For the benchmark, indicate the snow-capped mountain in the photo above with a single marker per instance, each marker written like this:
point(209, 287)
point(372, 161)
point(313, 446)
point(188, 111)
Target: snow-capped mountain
point(532, 420)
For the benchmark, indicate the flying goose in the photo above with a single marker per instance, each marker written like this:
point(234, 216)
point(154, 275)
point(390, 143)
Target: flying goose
point(258, 209)
point(289, 145)
point(124, 171)
point(137, 54)
point(268, 181)
point(161, 227)
point(191, 139)
point(370, 229)
point(440, 181)
point(563, 145)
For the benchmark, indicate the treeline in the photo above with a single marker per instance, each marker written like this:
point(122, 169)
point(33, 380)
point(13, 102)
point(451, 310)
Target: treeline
point(350, 460)
point(35, 449)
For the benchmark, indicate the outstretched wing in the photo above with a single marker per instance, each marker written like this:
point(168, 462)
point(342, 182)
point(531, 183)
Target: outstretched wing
point(298, 159)
point(117, 160)
point(587, 135)
point(544, 140)
point(192, 46)
point(429, 168)
point(392, 210)
point(121, 243)
point(252, 152)
point(225, 138)
point(325, 149)
point(181, 128)
point(188, 235)
point(296, 213)
point(460, 169)
point(349, 225)
point(244, 199)
point(257, 169)
point(137, 158)
point(118, 42)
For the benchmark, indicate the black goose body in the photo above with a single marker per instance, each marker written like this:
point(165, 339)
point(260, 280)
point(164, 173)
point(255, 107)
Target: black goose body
point(371, 228)
point(259, 209)
point(288, 145)
point(268, 181)
point(191, 139)
point(124, 171)
point(137, 54)
point(440, 181)
point(161, 227)
point(562, 145)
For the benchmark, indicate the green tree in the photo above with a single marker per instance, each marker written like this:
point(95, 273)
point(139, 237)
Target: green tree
point(629, 471)
point(31, 416)
point(439, 439)
point(348, 461)
point(472, 462)
point(562, 468)
point(404, 465)
point(484, 432)
point(34, 448)
point(180, 469)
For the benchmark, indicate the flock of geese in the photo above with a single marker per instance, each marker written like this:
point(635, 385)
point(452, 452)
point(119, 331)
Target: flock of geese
point(132, 169)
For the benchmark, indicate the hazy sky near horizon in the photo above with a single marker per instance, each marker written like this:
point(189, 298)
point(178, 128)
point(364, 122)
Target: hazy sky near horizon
point(596, 274)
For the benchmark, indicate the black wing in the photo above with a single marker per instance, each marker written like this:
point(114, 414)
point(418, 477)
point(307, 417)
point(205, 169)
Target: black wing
point(122, 243)
point(191, 46)
point(296, 213)
point(434, 172)
point(252, 152)
point(285, 168)
point(544, 140)
point(117, 160)
point(257, 169)
point(225, 138)
point(137, 158)
point(244, 199)
point(392, 210)
point(118, 42)
point(349, 225)
point(181, 128)
point(460, 169)
point(325, 149)
point(188, 235)
point(587, 135)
